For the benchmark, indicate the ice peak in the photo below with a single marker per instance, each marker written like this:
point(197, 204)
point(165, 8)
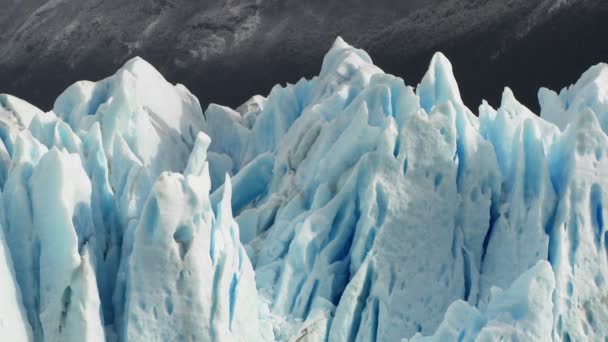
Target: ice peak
point(438, 84)
point(339, 43)
point(590, 91)
point(141, 68)
point(344, 63)
point(512, 106)
point(198, 157)
point(508, 97)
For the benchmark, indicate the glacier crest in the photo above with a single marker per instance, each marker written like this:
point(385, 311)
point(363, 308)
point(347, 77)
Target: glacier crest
point(347, 207)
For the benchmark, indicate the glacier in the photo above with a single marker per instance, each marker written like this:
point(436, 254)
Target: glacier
point(346, 207)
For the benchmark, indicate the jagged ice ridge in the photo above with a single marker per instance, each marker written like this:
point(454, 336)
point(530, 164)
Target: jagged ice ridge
point(348, 207)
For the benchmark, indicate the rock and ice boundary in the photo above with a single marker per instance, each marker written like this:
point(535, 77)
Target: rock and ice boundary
point(348, 207)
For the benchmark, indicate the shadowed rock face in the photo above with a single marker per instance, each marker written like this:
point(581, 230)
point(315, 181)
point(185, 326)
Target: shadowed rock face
point(225, 51)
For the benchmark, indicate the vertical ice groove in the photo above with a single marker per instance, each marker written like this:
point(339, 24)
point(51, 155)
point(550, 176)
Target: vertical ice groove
point(13, 318)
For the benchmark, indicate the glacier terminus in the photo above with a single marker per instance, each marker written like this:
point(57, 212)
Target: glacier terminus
point(346, 207)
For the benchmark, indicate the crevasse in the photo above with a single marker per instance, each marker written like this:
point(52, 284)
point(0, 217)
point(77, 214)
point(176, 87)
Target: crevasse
point(348, 207)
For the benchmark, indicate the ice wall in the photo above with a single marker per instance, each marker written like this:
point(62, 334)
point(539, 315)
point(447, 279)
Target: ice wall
point(357, 208)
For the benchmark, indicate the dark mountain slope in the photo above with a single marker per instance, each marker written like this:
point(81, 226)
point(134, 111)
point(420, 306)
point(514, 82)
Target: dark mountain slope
point(226, 51)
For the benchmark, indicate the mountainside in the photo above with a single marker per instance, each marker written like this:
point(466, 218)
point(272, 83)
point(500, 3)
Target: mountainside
point(346, 207)
point(224, 51)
